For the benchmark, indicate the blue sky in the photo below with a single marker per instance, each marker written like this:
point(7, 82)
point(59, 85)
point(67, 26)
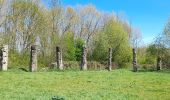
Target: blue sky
point(149, 16)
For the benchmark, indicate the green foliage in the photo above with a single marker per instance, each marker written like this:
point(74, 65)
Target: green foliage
point(68, 47)
point(100, 48)
point(124, 57)
point(72, 48)
point(152, 50)
point(141, 55)
point(155, 50)
point(151, 54)
point(88, 85)
point(17, 60)
point(78, 48)
point(46, 61)
point(31, 23)
point(116, 37)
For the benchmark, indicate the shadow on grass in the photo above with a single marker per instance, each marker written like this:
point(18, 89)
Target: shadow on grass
point(164, 71)
point(146, 71)
point(151, 70)
point(23, 69)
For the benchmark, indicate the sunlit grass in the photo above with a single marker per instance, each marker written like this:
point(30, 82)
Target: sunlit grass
point(88, 85)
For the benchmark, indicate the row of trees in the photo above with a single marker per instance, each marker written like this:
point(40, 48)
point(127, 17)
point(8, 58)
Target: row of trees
point(158, 52)
point(161, 47)
point(29, 22)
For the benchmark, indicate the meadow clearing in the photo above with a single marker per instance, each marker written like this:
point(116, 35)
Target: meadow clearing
point(121, 84)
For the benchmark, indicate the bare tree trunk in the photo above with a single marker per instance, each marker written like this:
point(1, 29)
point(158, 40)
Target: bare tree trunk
point(4, 58)
point(33, 59)
point(159, 63)
point(84, 59)
point(134, 60)
point(59, 58)
point(110, 59)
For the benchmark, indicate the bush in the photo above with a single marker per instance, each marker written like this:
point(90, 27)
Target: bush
point(18, 60)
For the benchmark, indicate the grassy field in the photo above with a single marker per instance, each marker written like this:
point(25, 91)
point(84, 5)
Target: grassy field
point(88, 85)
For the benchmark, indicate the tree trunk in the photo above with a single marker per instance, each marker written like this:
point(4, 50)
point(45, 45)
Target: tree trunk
point(33, 59)
point(59, 58)
point(159, 63)
point(4, 58)
point(134, 60)
point(84, 59)
point(110, 59)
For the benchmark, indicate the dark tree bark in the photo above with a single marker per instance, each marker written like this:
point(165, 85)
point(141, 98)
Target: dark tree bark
point(110, 59)
point(134, 60)
point(159, 63)
point(84, 59)
point(4, 58)
point(33, 59)
point(59, 58)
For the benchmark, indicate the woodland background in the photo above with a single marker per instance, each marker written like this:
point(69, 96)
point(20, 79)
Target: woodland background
point(28, 22)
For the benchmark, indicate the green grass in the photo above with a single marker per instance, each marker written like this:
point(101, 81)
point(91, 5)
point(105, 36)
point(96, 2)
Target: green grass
point(88, 85)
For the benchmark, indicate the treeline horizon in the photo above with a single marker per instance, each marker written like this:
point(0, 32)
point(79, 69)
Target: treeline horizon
point(29, 22)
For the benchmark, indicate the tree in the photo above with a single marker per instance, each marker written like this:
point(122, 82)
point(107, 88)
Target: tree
point(166, 32)
point(116, 37)
point(157, 52)
point(55, 20)
point(89, 22)
point(4, 4)
point(68, 47)
point(135, 40)
point(28, 22)
point(24, 23)
point(151, 54)
point(78, 48)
